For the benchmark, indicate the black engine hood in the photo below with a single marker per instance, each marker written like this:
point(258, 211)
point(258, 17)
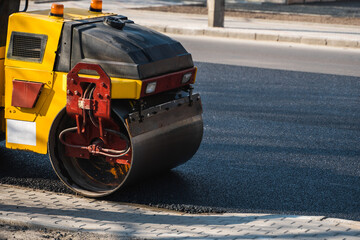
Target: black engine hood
point(129, 51)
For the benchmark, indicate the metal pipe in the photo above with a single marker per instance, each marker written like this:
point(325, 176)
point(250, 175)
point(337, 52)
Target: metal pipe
point(26, 6)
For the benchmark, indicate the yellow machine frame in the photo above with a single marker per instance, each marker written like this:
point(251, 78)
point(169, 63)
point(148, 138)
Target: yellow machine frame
point(38, 120)
point(2, 88)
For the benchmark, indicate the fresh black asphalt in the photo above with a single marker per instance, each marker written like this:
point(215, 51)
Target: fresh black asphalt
point(274, 142)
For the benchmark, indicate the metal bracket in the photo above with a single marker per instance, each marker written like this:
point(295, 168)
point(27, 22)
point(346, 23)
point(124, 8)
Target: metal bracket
point(76, 88)
point(87, 99)
point(190, 95)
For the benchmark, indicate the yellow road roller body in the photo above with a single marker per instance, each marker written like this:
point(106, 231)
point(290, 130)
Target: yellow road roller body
point(110, 101)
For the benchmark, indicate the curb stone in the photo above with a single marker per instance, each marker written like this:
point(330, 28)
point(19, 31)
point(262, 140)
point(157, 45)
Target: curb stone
point(253, 35)
point(72, 213)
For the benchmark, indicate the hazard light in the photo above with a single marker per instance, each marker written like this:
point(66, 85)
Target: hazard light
point(57, 10)
point(96, 5)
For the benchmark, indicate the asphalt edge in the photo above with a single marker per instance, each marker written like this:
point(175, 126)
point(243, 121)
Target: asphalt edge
point(257, 36)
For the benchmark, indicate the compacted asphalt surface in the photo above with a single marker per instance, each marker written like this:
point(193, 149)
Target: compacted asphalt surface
point(275, 141)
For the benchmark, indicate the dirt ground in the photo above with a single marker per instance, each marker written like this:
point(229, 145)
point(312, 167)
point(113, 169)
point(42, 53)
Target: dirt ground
point(16, 232)
point(262, 15)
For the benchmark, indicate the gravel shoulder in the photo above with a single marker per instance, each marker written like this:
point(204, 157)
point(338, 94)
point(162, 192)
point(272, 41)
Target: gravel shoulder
point(16, 231)
point(326, 19)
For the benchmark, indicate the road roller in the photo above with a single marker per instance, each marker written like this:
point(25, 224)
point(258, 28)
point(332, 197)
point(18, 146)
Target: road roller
point(111, 102)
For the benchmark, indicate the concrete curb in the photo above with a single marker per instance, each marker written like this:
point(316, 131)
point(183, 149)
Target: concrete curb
point(256, 35)
point(37, 208)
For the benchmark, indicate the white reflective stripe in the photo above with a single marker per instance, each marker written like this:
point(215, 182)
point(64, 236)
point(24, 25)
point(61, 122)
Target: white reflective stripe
point(21, 132)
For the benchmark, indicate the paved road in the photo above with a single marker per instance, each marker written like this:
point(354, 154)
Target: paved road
point(284, 56)
point(276, 141)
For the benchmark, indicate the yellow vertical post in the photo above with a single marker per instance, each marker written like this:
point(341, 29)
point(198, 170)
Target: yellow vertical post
point(2, 87)
point(2, 75)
